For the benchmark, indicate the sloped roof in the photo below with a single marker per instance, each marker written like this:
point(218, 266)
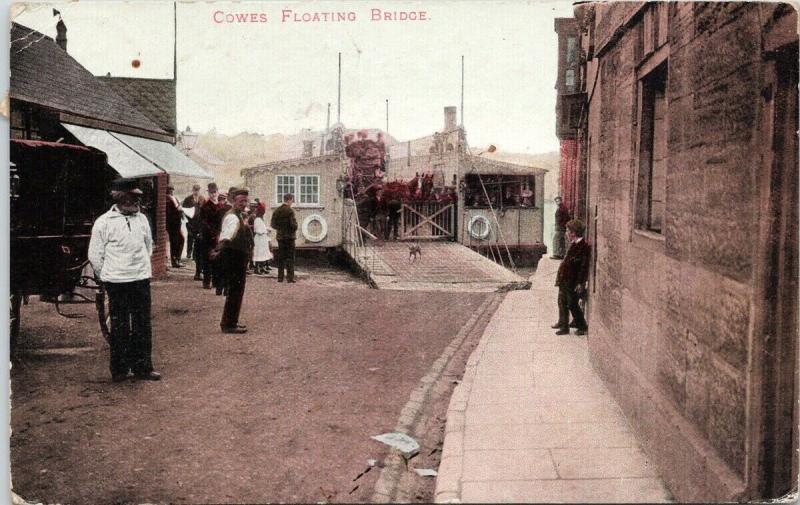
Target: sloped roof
point(490, 166)
point(292, 163)
point(155, 98)
point(44, 74)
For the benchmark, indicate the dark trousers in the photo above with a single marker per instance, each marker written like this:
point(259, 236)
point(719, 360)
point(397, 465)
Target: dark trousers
point(379, 225)
point(202, 263)
point(393, 226)
point(235, 275)
point(131, 332)
point(175, 244)
point(559, 243)
point(218, 271)
point(285, 259)
point(568, 303)
point(191, 240)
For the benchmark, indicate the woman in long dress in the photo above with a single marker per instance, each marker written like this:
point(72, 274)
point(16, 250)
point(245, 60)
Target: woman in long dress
point(261, 234)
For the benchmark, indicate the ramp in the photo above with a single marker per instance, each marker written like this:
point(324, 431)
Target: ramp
point(443, 266)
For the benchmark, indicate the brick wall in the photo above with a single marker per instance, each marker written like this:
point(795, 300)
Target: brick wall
point(161, 245)
point(670, 312)
point(568, 173)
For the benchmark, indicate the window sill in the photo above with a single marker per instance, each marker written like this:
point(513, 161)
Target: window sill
point(298, 206)
point(648, 240)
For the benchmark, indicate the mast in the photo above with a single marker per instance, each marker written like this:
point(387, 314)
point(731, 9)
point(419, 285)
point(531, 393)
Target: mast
point(387, 116)
point(462, 90)
point(339, 93)
point(175, 42)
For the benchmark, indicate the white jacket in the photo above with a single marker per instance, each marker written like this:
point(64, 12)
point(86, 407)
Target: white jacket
point(121, 246)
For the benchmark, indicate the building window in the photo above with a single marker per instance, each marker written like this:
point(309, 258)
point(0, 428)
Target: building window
point(284, 184)
point(651, 191)
point(309, 189)
point(571, 42)
point(569, 79)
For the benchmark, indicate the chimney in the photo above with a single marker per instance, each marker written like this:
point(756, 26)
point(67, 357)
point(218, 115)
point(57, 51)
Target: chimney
point(61, 35)
point(308, 148)
point(449, 118)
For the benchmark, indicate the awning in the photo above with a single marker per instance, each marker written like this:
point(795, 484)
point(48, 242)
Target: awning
point(127, 162)
point(164, 155)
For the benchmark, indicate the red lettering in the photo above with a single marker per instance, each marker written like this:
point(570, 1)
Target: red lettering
point(375, 14)
point(241, 18)
point(423, 15)
point(262, 17)
point(285, 14)
point(220, 18)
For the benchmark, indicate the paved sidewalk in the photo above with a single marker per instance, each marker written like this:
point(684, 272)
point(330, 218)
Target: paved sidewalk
point(532, 422)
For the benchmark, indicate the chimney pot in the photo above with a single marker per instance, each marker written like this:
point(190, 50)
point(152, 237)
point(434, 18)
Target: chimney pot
point(308, 148)
point(61, 35)
point(450, 118)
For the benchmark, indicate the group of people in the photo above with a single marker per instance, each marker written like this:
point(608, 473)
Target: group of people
point(226, 236)
point(575, 253)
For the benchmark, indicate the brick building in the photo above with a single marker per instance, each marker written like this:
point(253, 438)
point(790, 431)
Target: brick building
point(569, 109)
point(692, 178)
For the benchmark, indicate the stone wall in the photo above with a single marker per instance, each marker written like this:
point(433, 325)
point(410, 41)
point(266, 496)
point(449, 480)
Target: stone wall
point(670, 312)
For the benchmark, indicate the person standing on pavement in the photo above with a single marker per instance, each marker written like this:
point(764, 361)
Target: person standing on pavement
point(562, 218)
point(285, 225)
point(236, 240)
point(193, 201)
point(261, 234)
point(571, 280)
point(174, 216)
point(119, 251)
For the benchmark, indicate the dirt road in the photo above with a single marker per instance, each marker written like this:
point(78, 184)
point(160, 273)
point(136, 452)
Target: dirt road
point(282, 413)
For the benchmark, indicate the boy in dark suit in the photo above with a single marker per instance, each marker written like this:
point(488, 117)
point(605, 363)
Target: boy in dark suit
point(571, 280)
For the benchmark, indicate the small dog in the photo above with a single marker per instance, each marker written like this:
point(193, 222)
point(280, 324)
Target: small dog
point(414, 252)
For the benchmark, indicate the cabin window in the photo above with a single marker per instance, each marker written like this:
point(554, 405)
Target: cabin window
point(284, 184)
point(309, 189)
point(305, 188)
point(499, 191)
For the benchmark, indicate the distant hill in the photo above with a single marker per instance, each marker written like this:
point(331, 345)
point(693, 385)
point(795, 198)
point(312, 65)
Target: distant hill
point(226, 155)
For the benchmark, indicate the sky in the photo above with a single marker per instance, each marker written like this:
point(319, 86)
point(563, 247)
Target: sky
point(278, 75)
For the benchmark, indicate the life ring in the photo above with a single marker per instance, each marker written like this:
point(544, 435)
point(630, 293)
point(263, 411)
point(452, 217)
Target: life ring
point(323, 228)
point(479, 227)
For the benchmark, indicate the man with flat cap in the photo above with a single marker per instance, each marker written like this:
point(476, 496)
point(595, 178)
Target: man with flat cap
point(193, 201)
point(119, 251)
point(235, 244)
point(209, 232)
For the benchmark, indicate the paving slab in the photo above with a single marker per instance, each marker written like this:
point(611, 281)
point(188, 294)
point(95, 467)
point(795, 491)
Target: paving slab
point(532, 422)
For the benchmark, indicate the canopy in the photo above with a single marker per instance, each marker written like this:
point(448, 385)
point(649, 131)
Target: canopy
point(164, 155)
point(127, 162)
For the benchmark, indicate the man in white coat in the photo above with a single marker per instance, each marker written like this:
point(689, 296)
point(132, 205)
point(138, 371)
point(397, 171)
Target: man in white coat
point(119, 251)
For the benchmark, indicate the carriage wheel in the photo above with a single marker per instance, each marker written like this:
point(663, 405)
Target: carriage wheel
point(15, 305)
point(103, 314)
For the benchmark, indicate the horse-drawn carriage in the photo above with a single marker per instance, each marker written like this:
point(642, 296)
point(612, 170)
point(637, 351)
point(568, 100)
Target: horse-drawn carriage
point(57, 191)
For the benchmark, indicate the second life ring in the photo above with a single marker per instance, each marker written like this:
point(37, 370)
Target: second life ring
point(320, 235)
point(479, 227)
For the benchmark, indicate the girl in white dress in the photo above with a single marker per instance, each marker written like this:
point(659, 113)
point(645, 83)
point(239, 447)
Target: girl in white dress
point(261, 234)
